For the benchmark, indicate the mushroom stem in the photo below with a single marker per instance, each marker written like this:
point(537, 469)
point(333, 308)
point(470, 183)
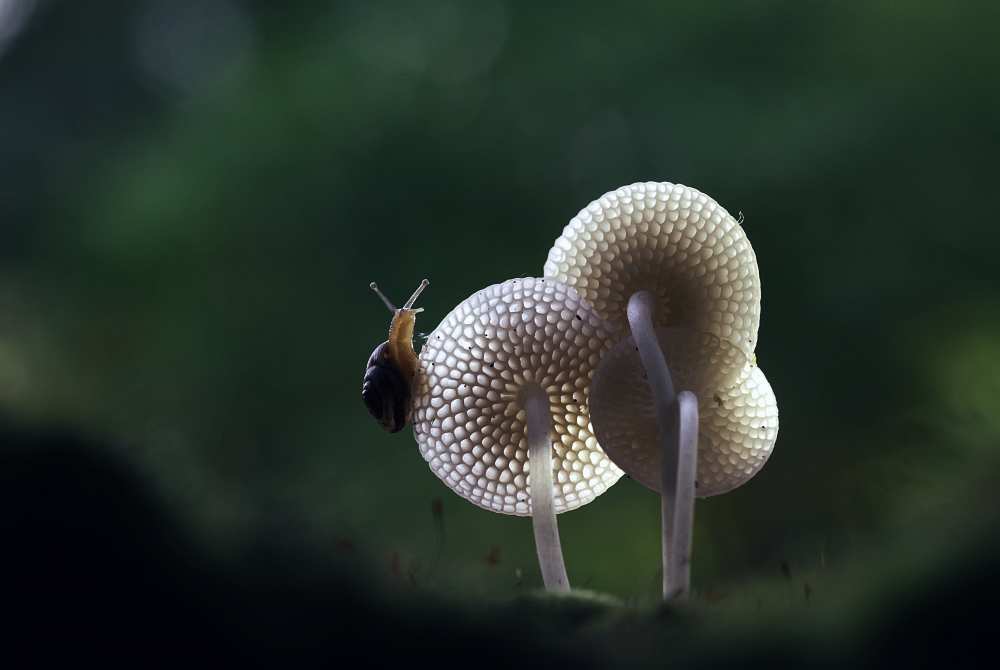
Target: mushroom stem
point(640, 321)
point(543, 511)
point(677, 570)
point(679, 446)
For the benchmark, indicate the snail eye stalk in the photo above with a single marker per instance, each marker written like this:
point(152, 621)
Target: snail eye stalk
point(416, 294)
point(388, 303)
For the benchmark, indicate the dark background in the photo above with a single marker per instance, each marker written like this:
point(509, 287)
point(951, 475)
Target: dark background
point(194, 196)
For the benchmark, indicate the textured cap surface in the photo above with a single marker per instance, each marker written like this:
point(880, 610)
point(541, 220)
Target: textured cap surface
point(467, 419)
point(673, 241)
point(738, 414)
point(737, 434)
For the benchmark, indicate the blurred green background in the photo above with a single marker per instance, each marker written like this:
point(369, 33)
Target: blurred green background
point(195, 194)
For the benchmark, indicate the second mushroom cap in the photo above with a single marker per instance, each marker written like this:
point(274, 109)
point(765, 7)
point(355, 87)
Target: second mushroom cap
point(738, 414)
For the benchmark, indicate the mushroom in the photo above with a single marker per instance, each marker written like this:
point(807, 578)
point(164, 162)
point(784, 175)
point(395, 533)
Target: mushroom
point(667, 264)
point(508, 370)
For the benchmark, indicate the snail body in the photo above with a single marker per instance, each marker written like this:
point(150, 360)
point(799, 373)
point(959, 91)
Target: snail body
point(388, 381)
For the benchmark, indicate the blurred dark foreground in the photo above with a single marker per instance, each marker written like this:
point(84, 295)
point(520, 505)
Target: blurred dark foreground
point(95, 567)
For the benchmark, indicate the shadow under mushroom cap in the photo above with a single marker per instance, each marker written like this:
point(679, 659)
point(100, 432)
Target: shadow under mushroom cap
point(467, 419)
point(673, 241)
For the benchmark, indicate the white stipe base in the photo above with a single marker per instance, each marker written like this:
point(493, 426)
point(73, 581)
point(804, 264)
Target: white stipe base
point(543, 511)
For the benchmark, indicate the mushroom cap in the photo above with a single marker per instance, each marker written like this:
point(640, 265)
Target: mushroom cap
point(467, 418)
point(673, 241)
point(737, 410)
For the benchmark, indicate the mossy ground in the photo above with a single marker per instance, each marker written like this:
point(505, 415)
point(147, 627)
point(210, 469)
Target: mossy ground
point(95, 561)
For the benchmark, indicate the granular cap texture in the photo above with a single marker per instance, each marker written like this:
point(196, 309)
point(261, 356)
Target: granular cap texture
point(673, 241)
point(468, 420)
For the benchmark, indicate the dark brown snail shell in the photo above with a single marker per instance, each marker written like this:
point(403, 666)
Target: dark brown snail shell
point(385, 391)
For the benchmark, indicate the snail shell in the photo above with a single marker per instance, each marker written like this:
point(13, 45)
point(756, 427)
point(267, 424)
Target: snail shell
point(385, 391)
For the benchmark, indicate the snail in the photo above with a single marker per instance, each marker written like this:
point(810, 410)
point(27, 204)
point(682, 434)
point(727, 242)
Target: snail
point(388, 381)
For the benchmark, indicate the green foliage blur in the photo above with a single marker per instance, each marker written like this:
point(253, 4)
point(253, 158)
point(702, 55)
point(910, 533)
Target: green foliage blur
point(194, 196)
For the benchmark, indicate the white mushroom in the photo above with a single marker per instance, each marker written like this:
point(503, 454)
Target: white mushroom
point(650, 256)
point(507, 368)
